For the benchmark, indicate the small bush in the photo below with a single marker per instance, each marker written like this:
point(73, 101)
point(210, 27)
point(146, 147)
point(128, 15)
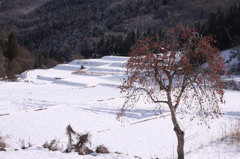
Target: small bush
point(76, 143)
point(3, 144)
point(102, 149)
point(80, 143)
point(82, 67)
point(22, 144)
point(81, 146)
point(53, 146)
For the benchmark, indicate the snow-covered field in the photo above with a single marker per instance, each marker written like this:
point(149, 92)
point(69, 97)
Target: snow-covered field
point(42, 103)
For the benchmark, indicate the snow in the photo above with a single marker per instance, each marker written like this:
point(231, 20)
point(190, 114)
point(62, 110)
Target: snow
point(36, 153)
point(42, 103)
point(232, 59)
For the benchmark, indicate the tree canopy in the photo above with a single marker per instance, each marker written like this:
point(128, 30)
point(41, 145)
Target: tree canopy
point(183, 71)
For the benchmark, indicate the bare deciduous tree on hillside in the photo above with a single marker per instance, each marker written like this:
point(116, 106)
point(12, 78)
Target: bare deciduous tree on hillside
point(182, 72)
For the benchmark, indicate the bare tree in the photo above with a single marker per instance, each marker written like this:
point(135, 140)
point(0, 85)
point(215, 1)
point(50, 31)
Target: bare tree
point(182, 72)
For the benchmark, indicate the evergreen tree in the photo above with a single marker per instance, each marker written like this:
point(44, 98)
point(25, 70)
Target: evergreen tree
point(225, 28)
point(230, 19)
point(212, 24)
point(144, 34)
point(12, 49)
point(221, 36)
point(138, 34)
point(133, 36)
point(165, 2)
point(10, 70)
point(126, 45)
point(197, 26)
point(237, 21)
point(101, 48)
point(119, 44)
point(53, 54)
point(93, 50)
point(201, 14)
point(149, 32)
point(85, 51)
point(154, 36)
point(2, 64)
point(161, 34)
point(112, 46)
point(108, 44)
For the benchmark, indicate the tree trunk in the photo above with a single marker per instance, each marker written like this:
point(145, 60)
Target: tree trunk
point(180, 136)
point(179, 133)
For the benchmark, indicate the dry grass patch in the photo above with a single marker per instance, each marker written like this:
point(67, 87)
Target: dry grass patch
point(3, 143)
point(4, 114)
point(232, 135)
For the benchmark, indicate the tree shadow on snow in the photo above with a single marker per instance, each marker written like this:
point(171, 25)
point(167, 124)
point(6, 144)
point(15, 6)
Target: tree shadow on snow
point(134, 113)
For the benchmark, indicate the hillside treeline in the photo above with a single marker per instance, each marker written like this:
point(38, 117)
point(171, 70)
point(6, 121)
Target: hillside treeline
point(94, 28)
point(225, 27)
point(59, 25)
point(14, 59)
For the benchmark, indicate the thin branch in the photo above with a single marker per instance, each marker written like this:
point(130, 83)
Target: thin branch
point(148, 93)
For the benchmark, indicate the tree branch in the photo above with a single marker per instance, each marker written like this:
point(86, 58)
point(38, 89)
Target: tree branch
point(149, 94)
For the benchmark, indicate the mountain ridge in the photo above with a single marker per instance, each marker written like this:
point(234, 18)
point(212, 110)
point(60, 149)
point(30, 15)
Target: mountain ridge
point(65, 27)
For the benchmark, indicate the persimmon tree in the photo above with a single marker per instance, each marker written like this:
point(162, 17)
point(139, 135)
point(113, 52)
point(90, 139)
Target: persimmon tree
point(183, 72)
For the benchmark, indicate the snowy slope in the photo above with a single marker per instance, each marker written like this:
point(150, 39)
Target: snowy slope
point(42, 103)
point(232, 59)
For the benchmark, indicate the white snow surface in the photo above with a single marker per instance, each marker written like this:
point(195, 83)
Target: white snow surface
point(42, 103)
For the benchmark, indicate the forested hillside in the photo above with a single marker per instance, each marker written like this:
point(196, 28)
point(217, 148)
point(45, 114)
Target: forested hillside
point(94, 28)
point(12, 8)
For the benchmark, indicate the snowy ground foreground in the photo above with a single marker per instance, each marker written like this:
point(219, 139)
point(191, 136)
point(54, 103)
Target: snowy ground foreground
point(40, 106)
